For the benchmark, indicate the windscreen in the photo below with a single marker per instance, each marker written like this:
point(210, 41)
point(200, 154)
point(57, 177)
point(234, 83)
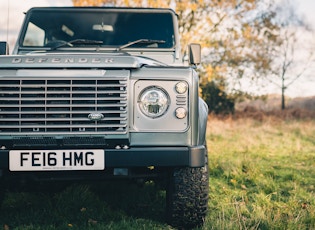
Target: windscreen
point(110, 28)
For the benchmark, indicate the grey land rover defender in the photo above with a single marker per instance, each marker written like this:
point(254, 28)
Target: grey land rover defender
point(97, 92)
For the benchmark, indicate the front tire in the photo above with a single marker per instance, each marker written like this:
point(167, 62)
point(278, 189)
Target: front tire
point(187, 197)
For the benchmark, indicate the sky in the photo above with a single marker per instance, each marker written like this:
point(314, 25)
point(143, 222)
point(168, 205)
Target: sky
point(12, 14)
point(306, 8)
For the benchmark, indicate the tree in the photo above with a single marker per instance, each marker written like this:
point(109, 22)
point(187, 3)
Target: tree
point(289, 62)
point(287, 68)
point(239, 47)
point(217, 100)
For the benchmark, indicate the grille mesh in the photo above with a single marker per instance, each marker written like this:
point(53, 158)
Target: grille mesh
point(61, 106)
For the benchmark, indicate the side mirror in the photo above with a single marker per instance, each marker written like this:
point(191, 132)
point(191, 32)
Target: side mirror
point(4, 48)
point(194, 51)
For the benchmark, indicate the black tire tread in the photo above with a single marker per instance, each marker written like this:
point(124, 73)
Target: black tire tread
point(187, 198)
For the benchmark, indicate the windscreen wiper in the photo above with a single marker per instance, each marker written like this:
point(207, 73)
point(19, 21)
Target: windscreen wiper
point(140, 41)
point(76, 41)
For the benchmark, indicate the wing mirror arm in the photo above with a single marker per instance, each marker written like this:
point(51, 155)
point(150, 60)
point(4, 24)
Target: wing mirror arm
point(194, 53)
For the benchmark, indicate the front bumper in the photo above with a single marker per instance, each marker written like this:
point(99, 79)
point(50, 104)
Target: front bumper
point(143, 157)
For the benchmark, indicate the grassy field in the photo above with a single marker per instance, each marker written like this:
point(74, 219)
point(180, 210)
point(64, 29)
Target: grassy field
point(262, 176)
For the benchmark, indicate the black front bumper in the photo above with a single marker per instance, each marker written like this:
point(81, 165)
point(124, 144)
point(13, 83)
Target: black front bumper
point(143, 157)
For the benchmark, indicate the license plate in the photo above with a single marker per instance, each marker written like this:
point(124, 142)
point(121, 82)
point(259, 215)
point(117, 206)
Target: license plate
point(53, 160)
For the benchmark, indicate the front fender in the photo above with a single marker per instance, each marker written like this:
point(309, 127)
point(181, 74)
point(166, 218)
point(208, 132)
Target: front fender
point(203, 118)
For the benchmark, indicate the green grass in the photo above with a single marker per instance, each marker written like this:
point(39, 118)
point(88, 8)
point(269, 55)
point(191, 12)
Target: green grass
point(262, 176)
point(116, 205)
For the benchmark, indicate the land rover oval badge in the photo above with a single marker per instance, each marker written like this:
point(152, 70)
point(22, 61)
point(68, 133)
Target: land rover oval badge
point(95, 116)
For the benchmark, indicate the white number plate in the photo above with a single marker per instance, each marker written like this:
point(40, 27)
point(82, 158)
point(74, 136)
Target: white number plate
point(51, 160)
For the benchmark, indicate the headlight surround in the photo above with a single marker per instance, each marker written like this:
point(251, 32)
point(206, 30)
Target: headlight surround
point(153, 101)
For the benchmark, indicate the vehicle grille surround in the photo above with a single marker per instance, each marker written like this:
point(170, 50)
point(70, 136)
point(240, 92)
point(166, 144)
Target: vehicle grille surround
point(36, 106)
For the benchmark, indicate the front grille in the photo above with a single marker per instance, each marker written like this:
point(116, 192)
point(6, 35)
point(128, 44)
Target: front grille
point(36, 106)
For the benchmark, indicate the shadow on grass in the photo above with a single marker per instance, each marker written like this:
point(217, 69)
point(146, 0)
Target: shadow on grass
point(105, 205)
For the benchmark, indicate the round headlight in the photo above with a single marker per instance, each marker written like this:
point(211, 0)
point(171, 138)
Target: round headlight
point(153, 102)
